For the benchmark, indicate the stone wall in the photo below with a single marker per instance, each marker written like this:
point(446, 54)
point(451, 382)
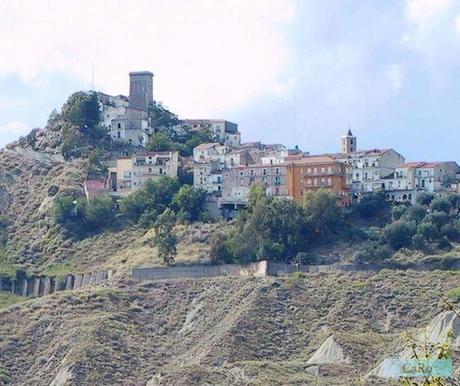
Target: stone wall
point(257, 269)
point(36, 286)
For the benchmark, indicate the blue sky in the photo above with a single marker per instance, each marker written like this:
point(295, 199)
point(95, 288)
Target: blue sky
point(292, 72)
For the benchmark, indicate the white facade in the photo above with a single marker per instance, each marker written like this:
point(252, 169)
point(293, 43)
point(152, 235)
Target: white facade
point(367, 169)
point(131, 173)
point(225, 132)
point(415, 177)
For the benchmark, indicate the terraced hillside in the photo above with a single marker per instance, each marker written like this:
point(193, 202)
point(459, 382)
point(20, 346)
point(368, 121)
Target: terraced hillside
point(217, 331)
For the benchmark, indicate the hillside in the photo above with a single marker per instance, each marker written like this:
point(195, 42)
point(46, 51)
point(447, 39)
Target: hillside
point(220, 331)
point(30, 182)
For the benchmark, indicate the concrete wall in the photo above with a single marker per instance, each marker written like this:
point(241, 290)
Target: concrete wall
point(257, 269)
point(36, 286)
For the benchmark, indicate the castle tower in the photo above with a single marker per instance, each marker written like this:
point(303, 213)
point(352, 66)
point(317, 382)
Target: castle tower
point(140, 89)
point(349, 143)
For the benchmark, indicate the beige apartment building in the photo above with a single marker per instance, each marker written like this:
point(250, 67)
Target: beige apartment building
point(131, 173)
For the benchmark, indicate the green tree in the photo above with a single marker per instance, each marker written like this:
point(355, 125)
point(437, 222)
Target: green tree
point(257, 192)
point(415, 213)
point(399, 234)
point(100, 212)
point(219, 250)
point(160, 142)
point(189, 201)
point(424, 198)
point(322, 212)
point(150, 201)
point(441, 205)
point(165, 239)
point(438, 218)
point(371, 204)
point(82, 110)
point(428, 231)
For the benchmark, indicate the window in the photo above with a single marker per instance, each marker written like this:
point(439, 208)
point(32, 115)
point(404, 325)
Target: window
point(251, 172)
point(277, 171)
point(329, 181)
point(277, 191)
point(309, 181)
point(323, 170)
point(264, 172)
point(309, 171)
point(127, 174)
point(329, 169)
point(119, 125)
point(161, 171)
point(118, 135)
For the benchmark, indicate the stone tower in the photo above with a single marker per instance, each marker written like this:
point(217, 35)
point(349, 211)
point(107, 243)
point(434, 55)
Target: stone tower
point(140, 89)
point(349, 143)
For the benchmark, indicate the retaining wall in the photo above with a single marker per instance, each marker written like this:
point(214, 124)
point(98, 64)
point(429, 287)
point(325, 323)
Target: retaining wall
point(257, 269)
point(36, 286)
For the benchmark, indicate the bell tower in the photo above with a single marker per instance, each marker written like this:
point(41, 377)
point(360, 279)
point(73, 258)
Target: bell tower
point(349, 143)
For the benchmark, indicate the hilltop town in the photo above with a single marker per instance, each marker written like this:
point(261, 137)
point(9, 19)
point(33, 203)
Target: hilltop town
point(226, 168)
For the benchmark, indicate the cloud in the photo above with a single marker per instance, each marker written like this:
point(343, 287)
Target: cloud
point(432, 33)
point(11, 131)
point(206, 55)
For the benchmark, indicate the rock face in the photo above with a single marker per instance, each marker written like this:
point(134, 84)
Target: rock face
point(330, 352)
point(442, 326)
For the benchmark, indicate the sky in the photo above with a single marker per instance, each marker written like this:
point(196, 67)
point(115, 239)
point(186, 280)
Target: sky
point(296, 72)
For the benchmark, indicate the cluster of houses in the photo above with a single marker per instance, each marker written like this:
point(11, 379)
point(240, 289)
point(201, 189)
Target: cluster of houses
point(226, 169)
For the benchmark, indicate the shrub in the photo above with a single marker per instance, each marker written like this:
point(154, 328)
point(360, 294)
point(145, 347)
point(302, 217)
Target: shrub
point(397, 211)
point(164, 239)
point(415, 213)
point(445, 244)
point(441, 205)
point(322, 212)
point(370, 205)
point(451, 232)
point(151, 200)
point(428, 231)
point(418, 241)
point(219, 251)
point(424, 198)
point(438, 218)
point(100, 212)
point(189, 201)
point(399, 234)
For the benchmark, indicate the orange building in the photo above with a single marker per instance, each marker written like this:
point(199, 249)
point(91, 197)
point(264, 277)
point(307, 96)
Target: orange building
point(312, 173)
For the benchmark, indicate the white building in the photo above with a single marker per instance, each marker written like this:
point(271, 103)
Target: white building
point(127, 117)
point(367, 169)
point(226, 132)
point(130, 173)
point(411, 178)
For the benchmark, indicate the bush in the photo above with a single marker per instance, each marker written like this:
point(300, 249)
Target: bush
point(428, 231)
point(445, 244)
point(441, 205)
point(415, 213)
point(371, 252)
point(418, 241)
point(424, 198)
point(438, 218)
point(100, 212)
point(219, 251)
point(397, 211)
point(322, 212)
point(189, 202)
point(399, 234)
point(370, 205)
point(150, 201)
point(451, 232)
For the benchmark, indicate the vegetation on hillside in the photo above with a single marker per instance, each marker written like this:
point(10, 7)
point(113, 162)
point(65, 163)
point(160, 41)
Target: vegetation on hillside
point(284, 230)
